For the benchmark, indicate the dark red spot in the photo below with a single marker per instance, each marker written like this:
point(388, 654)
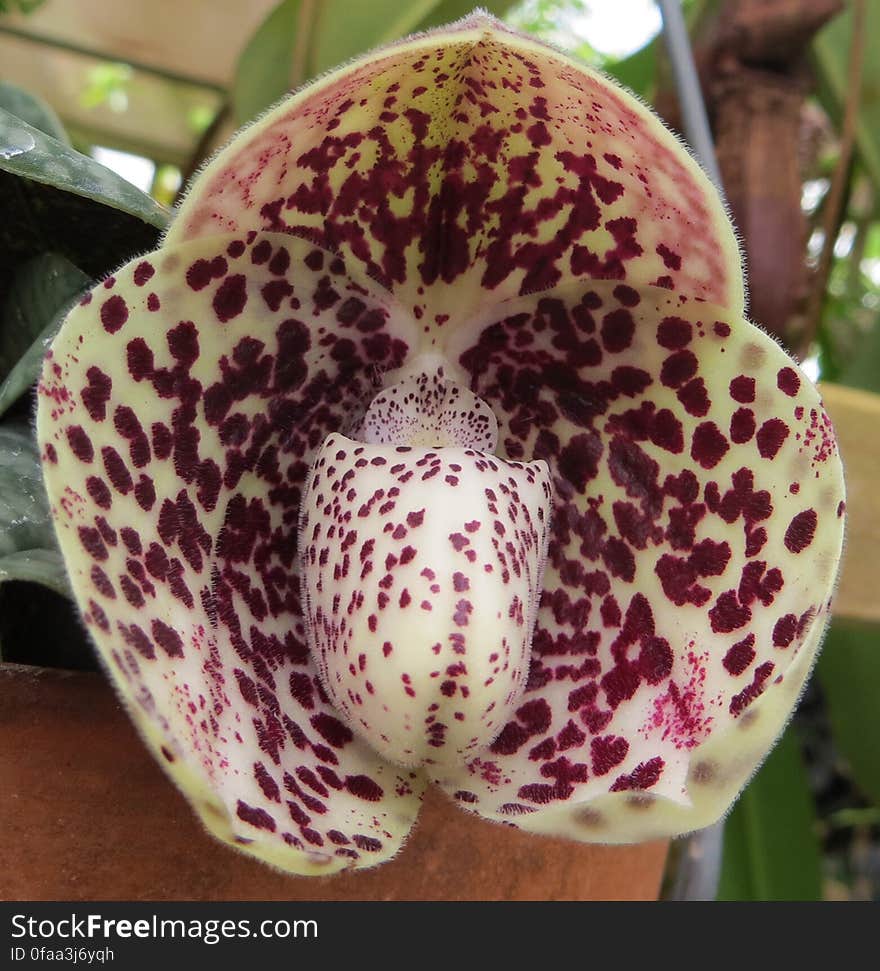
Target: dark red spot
point(363, 787)
point(617, 330)
point(643, 776)
point(99, 492)
point(183, 342)
point(709, 446)
point(606, 752)
point(108, 533)
point(534, 718)
point(740, 656)
point(117, 471)
point(667, 432)
point(135, 637)
point(538, 135)
point(367, 843)
point(770, 437)
point(800, 531)
point(627, 296)
point(579, 461)
point(673, 333)
point(80, 443)
point(742, 425)
point(280, 262)
point(199, 275)
point(788, 381)
point(630, 381)
point(331, 730)
point(265, 781)
point(102, 583)
point(92, 542)
point(785, 630)
point(254, 816)
point(619, 559)
point(655, 660)
point(678, 368)
point(97, 394)
point(231, 297)
point(143, 272)
point(275, 292)
point(140, 359)
point(167, 638)
point(745, 697)
point(126, 422)
point(742, 389)
point(261, 252)
point(293, 342)
point(301, 689)
point(670, 258)
point(114, 314)
point(131, 592)
point(694, 397)
point(728, 614)
point(145, 493)
point(131, 539)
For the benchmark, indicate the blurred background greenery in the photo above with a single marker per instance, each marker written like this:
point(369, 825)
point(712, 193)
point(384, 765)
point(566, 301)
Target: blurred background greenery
point(151, 90)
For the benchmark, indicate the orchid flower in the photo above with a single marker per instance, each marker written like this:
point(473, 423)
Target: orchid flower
point(431, 446)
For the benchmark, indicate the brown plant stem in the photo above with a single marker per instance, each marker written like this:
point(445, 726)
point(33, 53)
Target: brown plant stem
point(305, 28)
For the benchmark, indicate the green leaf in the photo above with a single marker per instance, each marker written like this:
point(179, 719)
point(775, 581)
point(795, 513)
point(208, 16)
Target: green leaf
point(45, 567)
point(51, 201)
point(42, 288)
point(339, 31)
point(27, 540)
point(447, 11)
point(831, 57)
point(25, 521)
point(27, 369)
point(863, 369)
point(25, 6)
point(849, 671)
point(33, 110)
point(345, 29)
point(638, 71)
point(771, 851)
point(27, 152)
point(262, 74)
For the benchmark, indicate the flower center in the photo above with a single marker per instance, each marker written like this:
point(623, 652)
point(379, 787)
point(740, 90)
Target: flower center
point(423, 557)
point(428, 409)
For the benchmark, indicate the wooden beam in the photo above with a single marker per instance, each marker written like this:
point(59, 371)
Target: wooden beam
point(856, 418)
point(199, 39)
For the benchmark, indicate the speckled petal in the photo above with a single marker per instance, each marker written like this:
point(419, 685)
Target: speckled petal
point(695, 543)
point(481, 159)
point(423, 571)
point(426, 409)
point(179, 409)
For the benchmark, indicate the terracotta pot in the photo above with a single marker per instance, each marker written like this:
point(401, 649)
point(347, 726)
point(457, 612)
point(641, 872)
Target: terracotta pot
point(87, 815)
